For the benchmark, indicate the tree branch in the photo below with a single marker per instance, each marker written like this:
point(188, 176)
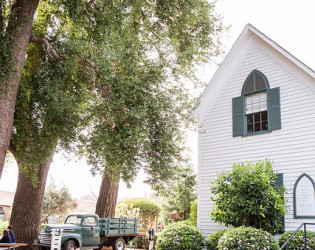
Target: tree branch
point(49, 48)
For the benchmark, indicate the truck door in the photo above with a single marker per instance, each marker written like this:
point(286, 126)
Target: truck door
point(90, 231)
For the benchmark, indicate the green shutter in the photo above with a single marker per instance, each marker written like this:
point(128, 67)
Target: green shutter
point(279, 180)
point(278, 183)
point(274, 115)
point(238, 116)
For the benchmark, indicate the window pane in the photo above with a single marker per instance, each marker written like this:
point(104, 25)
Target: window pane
point(264, 116)
point(250, 128)
point(249, 84)
point(257, 126)
point(249, 104)
point(257, 117)
point(250, 118)
point(260, 83)
point(256, 98)
point(264, 125)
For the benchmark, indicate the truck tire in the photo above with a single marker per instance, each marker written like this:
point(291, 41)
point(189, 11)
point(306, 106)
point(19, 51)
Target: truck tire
point(69, 245)
point(119, 244)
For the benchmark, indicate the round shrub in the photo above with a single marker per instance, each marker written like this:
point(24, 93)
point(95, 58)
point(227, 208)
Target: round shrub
point(179, 236)
point(247, 238)
point(213, 239)
point(297, 242)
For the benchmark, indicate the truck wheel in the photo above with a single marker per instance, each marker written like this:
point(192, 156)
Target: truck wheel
point(69, 245)
point(119, 244)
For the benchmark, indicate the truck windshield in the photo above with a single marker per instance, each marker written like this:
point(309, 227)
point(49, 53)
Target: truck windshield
point(74, 219)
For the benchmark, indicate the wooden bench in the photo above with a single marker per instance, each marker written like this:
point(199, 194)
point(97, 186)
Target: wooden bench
point(12, 245)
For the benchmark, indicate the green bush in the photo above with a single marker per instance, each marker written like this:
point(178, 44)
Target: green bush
point(179, 236)
point(140, 242)
point(247, 196)
point(247, 238)
point(213, 239)
point(146, 210)
point(3, 225)
point(297, 242)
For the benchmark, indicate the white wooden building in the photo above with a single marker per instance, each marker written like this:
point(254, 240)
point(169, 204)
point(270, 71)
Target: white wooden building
point(259, 104)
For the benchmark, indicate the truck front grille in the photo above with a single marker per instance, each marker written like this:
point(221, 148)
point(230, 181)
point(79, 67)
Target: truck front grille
point(44, 239)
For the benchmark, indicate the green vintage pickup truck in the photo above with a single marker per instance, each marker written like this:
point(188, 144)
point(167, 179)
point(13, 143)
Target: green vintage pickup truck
point(88, 231)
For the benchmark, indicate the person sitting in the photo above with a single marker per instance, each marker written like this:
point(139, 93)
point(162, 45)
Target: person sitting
point(5, 238)
point(11, 234)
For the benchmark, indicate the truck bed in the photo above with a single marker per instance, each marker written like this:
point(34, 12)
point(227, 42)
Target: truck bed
point(118, 226)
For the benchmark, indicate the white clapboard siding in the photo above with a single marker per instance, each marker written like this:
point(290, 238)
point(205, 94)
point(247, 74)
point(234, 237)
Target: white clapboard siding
point(292, 149)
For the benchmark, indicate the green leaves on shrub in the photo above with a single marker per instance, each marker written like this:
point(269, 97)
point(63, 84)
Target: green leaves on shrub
point(247, 238)
point(3, 225)
point(246, 196)
point(297, 242)
point(213, 239)
point(179, 236)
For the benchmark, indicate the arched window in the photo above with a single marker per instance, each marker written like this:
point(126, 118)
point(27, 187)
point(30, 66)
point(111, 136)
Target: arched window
point(257, 110)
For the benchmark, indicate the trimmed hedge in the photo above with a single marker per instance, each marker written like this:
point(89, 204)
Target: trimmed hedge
point(213, 239)
point(144, 204)
point(247, 238)
point(297, 242)
point(179, 236)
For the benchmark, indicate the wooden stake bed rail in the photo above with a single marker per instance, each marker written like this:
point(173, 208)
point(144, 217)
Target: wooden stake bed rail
point(116, 226)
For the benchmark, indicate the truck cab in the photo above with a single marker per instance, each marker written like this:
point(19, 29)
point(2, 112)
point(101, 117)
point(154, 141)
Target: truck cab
point(78, 231)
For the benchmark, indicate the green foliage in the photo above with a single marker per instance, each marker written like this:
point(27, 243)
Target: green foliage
point(140, 242)
point(116, 94)
point(146, 210)
point(247, 238)
point(297, 242)
point(127, 210)
point(193, 212)
point(179, 192)
point(179, 236)
point(145, 205)
point(57, 202)
point(213, 239)
point(246, 196)
point(7, 59)
point(3, 225)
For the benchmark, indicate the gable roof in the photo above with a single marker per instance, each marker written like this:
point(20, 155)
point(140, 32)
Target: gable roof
point(231, 61)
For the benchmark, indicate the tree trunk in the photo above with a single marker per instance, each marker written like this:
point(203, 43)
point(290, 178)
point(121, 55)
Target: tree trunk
point(19, 29)
point(27, 206)
point(107, 199)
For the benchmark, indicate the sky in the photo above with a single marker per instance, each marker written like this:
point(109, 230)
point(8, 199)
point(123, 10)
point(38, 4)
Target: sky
point(290, 23)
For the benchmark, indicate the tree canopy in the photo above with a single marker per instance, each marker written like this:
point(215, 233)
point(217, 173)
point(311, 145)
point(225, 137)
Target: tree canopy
point(104, 79)
point(112, 85)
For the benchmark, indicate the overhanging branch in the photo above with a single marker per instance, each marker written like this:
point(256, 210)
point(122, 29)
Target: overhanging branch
point(49, 48)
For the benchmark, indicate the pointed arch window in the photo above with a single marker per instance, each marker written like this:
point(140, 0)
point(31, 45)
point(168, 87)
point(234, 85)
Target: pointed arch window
point(257, 110)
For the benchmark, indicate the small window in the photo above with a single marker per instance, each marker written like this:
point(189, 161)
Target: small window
point(90, 221)
point(257, 110)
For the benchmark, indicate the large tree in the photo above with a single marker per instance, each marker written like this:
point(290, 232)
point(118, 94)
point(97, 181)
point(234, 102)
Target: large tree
point(106, 79)
point(15, 31)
